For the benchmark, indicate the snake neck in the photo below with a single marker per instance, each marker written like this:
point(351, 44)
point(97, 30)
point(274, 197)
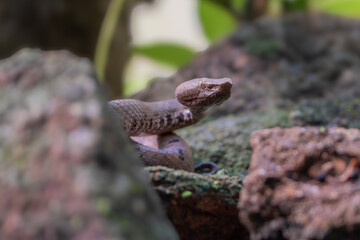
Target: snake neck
point(155, 117)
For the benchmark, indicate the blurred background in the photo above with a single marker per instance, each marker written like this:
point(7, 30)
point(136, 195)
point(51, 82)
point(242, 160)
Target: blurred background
point(134, 41)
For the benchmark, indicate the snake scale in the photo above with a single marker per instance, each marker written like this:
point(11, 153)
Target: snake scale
point(150, 124)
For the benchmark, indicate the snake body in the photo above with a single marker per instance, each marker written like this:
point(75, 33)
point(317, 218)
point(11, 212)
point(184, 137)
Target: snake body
point(158, 119)
point(155, 117)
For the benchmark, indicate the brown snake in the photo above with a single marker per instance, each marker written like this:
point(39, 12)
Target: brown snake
point(150, 124)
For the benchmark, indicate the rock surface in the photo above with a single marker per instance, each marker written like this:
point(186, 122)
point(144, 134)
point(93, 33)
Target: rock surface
point(200, 207)
point(67, 171)
point(303, 184)
point(277, 81)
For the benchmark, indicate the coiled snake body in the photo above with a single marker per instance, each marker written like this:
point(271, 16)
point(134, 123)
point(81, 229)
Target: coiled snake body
point(150, 124)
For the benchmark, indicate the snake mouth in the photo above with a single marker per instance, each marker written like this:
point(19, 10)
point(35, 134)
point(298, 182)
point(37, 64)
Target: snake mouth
point(208, 100)
point(223, 99)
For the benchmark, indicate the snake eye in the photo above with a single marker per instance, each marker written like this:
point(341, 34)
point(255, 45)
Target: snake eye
point(206, 86)
point(202, 84)
point(210, 88)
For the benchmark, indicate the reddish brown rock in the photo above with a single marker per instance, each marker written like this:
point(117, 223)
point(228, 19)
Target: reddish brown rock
point(303, 184)
point(200, 207)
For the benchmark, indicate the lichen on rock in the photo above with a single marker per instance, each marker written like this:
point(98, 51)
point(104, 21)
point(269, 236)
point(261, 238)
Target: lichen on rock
point(67, 170)
point(200, 207)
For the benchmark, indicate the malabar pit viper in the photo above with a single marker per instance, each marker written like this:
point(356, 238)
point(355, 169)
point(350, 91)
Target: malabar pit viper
point(150, 124)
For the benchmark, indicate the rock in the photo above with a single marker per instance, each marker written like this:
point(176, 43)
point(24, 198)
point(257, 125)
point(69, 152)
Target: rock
point(67, 171)
point(200, 207)
point(303, 184)
point(277, 81)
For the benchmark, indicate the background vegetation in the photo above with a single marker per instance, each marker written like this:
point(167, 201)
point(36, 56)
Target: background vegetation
point(218, 18)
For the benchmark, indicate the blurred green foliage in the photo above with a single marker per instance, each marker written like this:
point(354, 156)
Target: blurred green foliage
point(346, 8)
point(216, 21)
point(105, 37)
point(235, 7)
point(295, 5)
point(171, 54)
point(219, 17)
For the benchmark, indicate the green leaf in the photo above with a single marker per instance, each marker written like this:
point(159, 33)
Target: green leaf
point(348, 8)
point(172, 54)
point(295, 5)
point(216, 21)
point(238, 5)
point(186, 194)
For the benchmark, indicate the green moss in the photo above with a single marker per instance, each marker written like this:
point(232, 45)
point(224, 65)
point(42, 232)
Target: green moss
point(187, 183)
point(215, 185)
point(277, 118)
point(341, 112)
point(225, 141)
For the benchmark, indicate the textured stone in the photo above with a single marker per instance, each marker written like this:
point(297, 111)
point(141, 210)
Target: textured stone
point(303, 183)
point(67, 171)
point(200, 207)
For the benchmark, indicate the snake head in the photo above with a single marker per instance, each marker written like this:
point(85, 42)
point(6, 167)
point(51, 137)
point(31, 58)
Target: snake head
point(203, 91)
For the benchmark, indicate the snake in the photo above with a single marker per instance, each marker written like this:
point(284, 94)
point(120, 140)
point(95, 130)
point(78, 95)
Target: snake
point(151, 124)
